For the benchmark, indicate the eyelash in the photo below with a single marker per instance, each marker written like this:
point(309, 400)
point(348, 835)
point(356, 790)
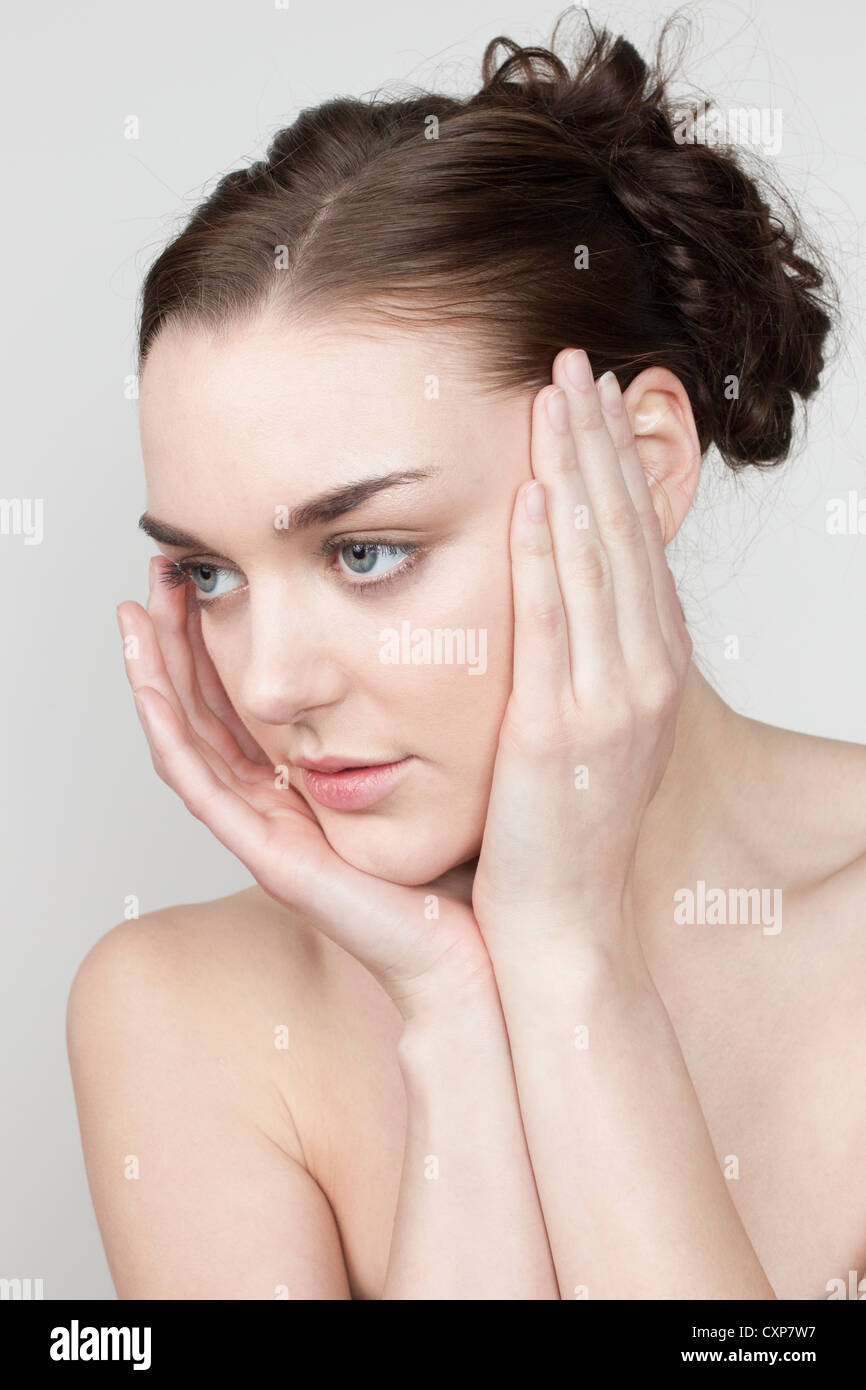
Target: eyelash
point(180, 571)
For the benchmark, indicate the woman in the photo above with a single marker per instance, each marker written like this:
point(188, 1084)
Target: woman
point(543, 985)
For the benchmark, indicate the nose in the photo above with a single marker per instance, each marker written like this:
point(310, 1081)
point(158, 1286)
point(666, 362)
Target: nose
point(292, 667)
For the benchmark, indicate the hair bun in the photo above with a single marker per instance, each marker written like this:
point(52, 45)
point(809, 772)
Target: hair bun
point(743, 280)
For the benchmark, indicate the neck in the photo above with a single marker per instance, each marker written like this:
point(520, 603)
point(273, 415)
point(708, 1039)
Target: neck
point(682, 825)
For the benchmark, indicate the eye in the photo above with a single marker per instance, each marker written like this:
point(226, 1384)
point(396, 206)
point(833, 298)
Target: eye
point(206, 578)
point(370, 560)
point(361, 564)
point(365, 564)
point(211, 576)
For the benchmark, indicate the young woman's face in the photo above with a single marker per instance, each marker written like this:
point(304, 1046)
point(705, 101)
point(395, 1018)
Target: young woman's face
point(378, 631)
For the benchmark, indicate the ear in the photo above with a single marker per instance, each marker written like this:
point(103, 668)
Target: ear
point(667, 443)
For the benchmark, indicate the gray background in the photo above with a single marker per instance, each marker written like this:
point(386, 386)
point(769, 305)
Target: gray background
point(86, 821)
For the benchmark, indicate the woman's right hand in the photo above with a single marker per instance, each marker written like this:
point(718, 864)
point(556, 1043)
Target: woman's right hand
point(203, 751)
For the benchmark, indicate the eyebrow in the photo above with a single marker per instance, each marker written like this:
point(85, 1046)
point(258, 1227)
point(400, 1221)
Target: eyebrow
point(326, 507)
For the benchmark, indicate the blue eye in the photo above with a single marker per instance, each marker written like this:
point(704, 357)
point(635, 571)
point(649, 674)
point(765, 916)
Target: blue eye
point(367, 558)
point(362, 564)
point(210, 575)
point(180, 571)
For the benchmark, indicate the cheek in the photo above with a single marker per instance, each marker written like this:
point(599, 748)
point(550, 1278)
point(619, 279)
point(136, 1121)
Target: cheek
point(450, 710)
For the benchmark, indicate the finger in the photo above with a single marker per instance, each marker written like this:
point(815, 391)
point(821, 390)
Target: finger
point(167, 607)
point(581, 564)
point(363, 914)
point(618, 523)
point(314, 880)
point(619, 427)
point(236, 824)
point(145, 667)
point(213, 692)
point(542, 673)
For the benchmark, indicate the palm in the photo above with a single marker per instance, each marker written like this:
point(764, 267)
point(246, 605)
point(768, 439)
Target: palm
point(204, 751)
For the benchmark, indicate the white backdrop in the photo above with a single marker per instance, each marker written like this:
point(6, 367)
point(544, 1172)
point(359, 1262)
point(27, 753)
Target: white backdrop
point(86, 821)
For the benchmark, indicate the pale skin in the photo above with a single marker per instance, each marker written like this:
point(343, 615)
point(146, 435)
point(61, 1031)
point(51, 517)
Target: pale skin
point(560, 1171)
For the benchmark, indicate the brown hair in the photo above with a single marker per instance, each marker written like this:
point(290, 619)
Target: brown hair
point(465, 214)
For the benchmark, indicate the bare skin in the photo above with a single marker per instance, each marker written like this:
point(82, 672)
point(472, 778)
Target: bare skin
point(305, 1152)
point(770, 1030)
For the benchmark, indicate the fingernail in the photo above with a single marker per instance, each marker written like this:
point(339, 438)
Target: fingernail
point(577, 368)
point(557, 411)
point(608, 390)
point(533, 500)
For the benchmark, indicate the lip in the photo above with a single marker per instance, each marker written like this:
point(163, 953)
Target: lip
point(353, 788)
point(335, 764)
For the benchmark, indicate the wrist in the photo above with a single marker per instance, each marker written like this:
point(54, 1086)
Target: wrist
point(553, 998)
point(602, 956)
point(450, 1024)
point(597, 916)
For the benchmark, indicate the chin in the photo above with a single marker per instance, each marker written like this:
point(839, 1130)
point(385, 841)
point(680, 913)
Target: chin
point(399, 851)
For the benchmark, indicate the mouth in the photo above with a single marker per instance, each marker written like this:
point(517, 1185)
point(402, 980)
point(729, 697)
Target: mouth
point(350, 787)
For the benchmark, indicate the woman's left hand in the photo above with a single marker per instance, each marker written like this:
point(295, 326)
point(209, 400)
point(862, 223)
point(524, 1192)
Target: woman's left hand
point(601, 655)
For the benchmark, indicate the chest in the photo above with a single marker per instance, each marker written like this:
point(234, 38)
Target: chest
point(772, 1047)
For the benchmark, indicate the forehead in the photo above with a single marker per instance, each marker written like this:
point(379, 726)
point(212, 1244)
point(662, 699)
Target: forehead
point(267, 381)
point(269, 413)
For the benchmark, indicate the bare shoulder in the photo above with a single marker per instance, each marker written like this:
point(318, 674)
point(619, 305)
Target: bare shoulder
point(179, 1033)
point(808, 823)
point(248, 919)
point(810, 804)
point(228, 973)
point(215, 935)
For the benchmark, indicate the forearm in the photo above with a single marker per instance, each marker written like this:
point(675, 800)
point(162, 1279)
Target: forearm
point(468, 1222)
point(633, 1196)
